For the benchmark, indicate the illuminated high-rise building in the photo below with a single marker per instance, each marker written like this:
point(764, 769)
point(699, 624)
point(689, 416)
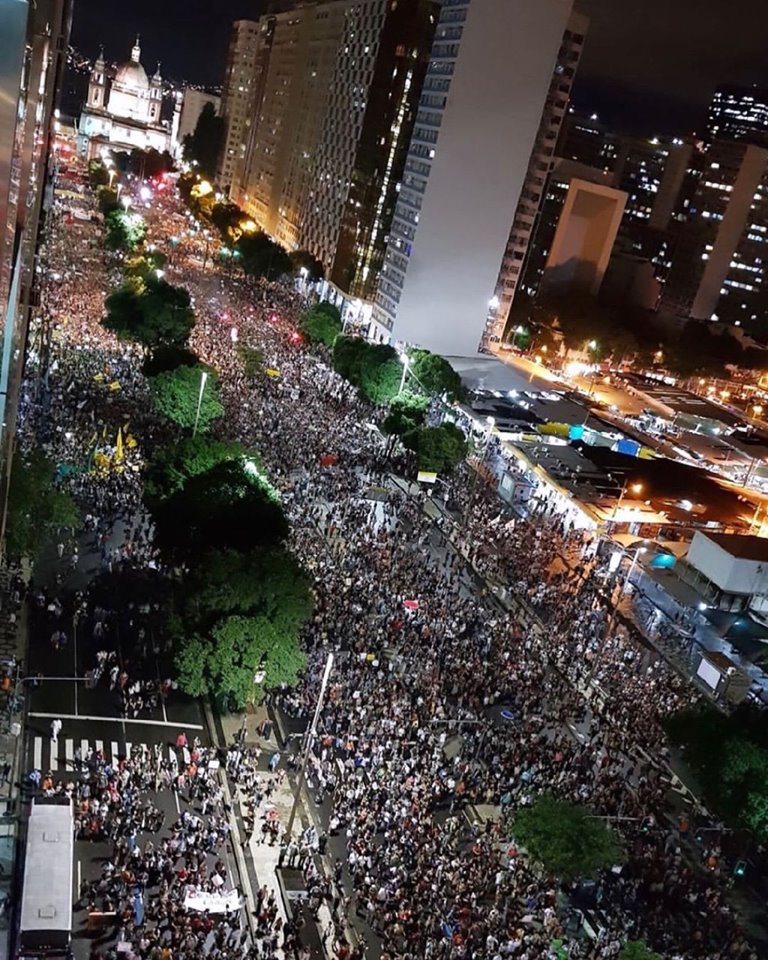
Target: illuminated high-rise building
point(488, 87)
point(739, 113)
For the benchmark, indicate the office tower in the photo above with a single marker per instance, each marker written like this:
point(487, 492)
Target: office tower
point(238, 102)
point(340, 91)
point(33, 39)
point(739, 113)
point(303, 50)
point(192, 103)
point(651, 173)
point(481, 108)
point(585, 139)
point(534, 187)
point(367, 130)
point(718, 263)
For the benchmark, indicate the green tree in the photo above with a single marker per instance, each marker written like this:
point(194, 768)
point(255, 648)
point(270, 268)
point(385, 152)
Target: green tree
point(638, 950)
point(176, 394)
point(172, 465)
point(150, 312)
point(266, 582)
point(225, 665)
point(124, 231)
point(252, 359)
point(381, 373)
point(434, 373)
point(437, 449)
point(146, 265)
point(203, 146)
point(321, 324)
point(231, 506)
point(261, 257)
point(98, 175)
point(407, 411)
point(348, 354)
point(565, 839)
point(107, 199)
point(168, 357)
point(37, 509)
point(304, 259)
point(227, 217)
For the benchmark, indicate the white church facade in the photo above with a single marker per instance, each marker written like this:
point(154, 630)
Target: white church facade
point(126, 113)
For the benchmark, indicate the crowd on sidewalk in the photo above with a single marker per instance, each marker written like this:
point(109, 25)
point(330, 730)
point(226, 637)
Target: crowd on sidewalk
point(407, 675)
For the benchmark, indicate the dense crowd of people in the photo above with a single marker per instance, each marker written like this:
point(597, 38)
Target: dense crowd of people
point(424, 653)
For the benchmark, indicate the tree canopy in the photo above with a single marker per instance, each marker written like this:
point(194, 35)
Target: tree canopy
point(566, 839)
point(304, 259)
point(225, 664)
point(167, 357)
point(172, 465)
point(407, 411)
point(638, 950)
point(98, 175)
point(231, 506)
point(374, 368)
point(37, 509)
point(321, 323)
point(124, 231)
point(261, 256)
point(729, 755)
point(266, 582)
point(203, 146)
point(437, 449)
point(150, 312)
point(107, 200)
point(187, 396)
point(434, 373)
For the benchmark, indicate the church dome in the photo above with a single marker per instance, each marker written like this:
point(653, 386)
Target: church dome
point(133, 75)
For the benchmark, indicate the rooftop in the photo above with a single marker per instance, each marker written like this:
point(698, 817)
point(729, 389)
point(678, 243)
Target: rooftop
point(742, 546)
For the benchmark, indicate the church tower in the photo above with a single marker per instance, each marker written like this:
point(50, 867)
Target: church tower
point(155, 96)
point(97, 85)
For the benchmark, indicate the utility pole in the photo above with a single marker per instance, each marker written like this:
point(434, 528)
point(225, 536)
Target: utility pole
point(308, 745)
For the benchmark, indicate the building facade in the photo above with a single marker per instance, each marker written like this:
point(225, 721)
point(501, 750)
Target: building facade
point(739, 113)
point(534, 188)
point(367, 130)
point(720, 259)
point(298, 72)
point(481, 108)
point(33, 40)
point(238, 103)
point(126, 112)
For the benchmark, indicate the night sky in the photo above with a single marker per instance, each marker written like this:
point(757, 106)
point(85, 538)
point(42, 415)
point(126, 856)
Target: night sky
point(648, 65)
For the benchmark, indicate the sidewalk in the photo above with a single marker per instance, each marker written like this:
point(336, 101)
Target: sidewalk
point(259, 861)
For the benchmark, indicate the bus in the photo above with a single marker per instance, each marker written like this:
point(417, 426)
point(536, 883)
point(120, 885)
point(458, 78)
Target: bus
point(45, 926)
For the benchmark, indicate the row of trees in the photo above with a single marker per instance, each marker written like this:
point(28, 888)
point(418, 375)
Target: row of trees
point(729, 755)
point(243, 244)
point(243, 598)
point(621, 332)
point(236, 609)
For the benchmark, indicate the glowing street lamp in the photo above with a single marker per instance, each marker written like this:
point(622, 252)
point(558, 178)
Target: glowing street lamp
point(203, 378)
point(405, 360)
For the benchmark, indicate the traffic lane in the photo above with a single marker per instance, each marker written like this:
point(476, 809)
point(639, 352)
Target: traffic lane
point(90, 857)
point(46, 660)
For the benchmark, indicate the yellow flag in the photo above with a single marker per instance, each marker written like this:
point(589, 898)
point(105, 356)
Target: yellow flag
point(119, 446)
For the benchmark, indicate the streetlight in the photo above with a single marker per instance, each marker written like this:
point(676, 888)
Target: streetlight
point(405, 360)
point(159, 273)
point(635, 488)
point(515, 333)
point(628, 580)
point(126, 202)
point(203, 378)
point(308, 745)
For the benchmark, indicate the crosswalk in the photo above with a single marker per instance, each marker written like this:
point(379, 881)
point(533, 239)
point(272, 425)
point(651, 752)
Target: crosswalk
point(60, 756)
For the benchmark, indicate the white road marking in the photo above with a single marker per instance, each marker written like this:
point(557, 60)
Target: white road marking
point(99, 748)
point(37, 759)
point(146, 723)
point(113, 745)
point(84, 745)
point(69, 753)
point(128, 747)
point(53, 760)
